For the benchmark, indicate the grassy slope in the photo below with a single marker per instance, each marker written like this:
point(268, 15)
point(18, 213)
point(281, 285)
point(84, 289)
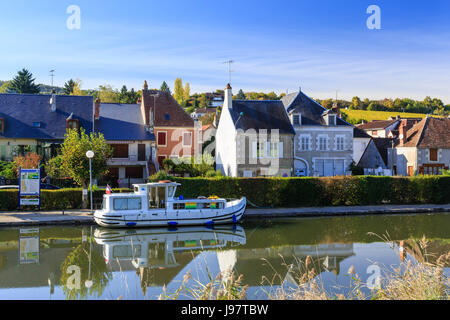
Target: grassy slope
point(378, 115)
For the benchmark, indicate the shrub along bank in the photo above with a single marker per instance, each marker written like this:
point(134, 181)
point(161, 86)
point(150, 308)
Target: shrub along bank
point(280, 192)
point(52, 199)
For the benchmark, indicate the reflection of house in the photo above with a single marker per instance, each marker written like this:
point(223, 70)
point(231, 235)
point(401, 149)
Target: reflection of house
point(39, 122)
point(323, 141)
point(133, 146)
point(254, 138)
point(422, 148)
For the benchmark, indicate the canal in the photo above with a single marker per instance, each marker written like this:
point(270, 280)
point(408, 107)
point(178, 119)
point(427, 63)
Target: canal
point(87, 262)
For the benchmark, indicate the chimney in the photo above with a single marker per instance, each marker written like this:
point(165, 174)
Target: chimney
point(53, 102)
point(402, 131)
point(97, 109)
point(145, 86)
point(228, 97)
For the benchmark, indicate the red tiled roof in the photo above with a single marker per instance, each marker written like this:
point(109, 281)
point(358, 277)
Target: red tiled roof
point(167, 112)
point(429, 133)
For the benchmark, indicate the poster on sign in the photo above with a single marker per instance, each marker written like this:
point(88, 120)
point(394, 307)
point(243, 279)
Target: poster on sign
point(29, 187)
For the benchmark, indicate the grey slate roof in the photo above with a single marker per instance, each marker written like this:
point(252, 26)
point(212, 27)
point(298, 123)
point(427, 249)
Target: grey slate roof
point(20, 111)
point(310, 110)
point(261, 114)
point(122, 122)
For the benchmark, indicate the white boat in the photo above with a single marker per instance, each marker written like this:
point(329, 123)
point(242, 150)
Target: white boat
point(155, 205)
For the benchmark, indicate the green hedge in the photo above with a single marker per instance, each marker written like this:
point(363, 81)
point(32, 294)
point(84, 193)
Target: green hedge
point(52, 199)
point(281, 192)
point(312, 192)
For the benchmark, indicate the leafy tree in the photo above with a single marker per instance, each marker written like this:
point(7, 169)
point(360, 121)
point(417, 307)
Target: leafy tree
point(108, 94)
point(77, 88)
point(240, 95)
point(203, 101)
point(54, 167)
point(187, 92)
point(165, 87)
point(5, 87)
point(179, 92)
point(356, 103)
point(30, 161)
point(74, 160)
point(24, 83)
point(69, 87)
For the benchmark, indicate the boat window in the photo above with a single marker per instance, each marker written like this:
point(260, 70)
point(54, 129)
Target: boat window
point(157, 198)
point(127, 204)
point(179, 206)
point(171, 192)
point(126, 251)
point(136, 189)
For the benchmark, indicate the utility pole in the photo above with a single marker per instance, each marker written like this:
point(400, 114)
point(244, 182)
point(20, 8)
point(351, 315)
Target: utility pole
point(229, 62)
point(52, 75)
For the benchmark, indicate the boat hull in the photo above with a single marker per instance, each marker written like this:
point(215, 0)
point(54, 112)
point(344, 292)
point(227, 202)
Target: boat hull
point(229, 215)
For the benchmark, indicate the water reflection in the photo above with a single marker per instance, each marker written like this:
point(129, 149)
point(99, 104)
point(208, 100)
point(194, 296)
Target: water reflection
point(98, 263)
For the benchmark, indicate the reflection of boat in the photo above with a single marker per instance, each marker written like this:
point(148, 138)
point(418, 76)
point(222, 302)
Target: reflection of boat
point(155, 247)
point(155, 205)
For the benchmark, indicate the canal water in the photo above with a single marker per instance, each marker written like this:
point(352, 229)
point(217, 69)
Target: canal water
point(96, 263)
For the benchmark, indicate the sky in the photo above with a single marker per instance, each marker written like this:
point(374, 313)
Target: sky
point(321, 46)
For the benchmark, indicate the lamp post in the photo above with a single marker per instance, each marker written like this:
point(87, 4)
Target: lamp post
point(90, 154)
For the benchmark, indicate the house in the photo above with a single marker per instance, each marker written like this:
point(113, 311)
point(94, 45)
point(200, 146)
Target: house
point(422, 148)
point(379, 128)
point(200, 112)
point(323, 143)
point(134, 147)
point(254, 138)
point(175, 131)
point(360, 142)
point(374, 158)
point(38, 123)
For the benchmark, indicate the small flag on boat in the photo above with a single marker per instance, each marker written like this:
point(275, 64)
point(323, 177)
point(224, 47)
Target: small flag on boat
point(108, 189)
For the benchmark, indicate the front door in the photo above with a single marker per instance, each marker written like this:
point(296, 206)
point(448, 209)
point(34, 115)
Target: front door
point(141, 152)
point(410, 171)
point(329, 168)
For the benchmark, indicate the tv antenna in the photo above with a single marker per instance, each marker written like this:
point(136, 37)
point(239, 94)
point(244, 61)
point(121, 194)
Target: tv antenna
point(52, 75)
point(229, 62)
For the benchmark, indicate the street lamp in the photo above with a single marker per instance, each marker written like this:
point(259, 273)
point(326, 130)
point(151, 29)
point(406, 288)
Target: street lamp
point(90, 154)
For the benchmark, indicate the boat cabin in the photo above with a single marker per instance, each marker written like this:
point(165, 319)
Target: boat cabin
point(159, 195)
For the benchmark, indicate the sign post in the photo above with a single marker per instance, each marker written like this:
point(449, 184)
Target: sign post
point(29, 187)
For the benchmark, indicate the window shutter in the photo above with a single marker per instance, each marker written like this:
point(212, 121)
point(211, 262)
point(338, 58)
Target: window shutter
point(280, 150)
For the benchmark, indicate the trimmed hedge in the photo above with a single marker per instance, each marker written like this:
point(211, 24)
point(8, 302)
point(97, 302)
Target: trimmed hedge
point(313, 192)
point(52, 199)
point(281, 192)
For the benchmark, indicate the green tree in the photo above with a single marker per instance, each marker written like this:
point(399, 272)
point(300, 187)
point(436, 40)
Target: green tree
point(74, 160)
point(178, 91)
point(240, 95)
point(356, 103)
point(165, 87)
point(108, 94)
point(77, 88)
point(69, 86)
point(187, 92)
point(5, 87)
point(24, 83)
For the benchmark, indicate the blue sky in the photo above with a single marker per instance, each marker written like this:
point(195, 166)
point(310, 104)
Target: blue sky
point(321, 46)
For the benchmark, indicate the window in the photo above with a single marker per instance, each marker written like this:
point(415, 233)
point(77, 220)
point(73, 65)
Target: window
point(166, 116)
point(126, 251)
point(36, 124)
point(323, 143)
point(305, 143)
point(433, 154)
point(133, 172)
point(340, 143)
point(2, 125)
point(120, 151)
point(296, 119)
point(127, 204)
point(72, 124)
point(374, 133)
point(275, 149)
point(331, 120)
point(187, 139)
point(162, 138)
point(179, 206)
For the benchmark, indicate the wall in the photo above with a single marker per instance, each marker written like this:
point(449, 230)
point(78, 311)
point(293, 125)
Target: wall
point(6, 149)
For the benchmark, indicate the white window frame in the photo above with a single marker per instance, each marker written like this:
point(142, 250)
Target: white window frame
point(299, 119)
point(309, 142)
point(322, 136)
point(336, 145)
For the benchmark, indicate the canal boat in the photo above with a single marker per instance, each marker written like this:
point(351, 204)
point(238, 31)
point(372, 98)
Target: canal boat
point(155, 205)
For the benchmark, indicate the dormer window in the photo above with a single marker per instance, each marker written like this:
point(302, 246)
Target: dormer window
point(331, 119)
point(2, 125)
point(73, 124)
point(296, 119)
point(36, 124)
